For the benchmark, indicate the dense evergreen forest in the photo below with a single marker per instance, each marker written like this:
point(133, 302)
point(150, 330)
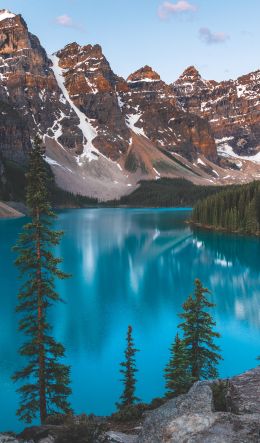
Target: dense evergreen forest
point(234, 209)
point(165, 192)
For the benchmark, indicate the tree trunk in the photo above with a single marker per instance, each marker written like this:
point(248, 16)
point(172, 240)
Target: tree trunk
point(41, 355)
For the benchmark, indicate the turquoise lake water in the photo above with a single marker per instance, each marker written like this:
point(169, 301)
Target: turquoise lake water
point(132, 267)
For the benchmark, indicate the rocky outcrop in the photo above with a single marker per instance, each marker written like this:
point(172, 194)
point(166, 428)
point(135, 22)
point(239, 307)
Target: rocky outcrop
point(119, 437)
point(28, 85)
point(5, 438)
point(14, 134)
point(150, 109)
point(232, 107)
point(92, 86)
point(145, 74)
point(192, 417)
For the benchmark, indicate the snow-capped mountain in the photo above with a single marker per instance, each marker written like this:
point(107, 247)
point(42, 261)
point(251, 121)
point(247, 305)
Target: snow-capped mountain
point(104, 133)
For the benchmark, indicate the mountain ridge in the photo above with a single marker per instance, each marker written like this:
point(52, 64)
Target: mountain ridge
point(103, 133)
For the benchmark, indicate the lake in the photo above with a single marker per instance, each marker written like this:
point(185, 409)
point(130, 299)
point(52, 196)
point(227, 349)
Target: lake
point(132, 266)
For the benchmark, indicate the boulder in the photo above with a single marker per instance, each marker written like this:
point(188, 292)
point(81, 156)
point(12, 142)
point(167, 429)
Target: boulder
point(191, 418)
point(119, 437)
point(5, 438)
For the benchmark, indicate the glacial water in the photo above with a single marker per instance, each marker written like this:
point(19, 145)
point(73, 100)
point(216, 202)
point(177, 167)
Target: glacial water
point(132, 266)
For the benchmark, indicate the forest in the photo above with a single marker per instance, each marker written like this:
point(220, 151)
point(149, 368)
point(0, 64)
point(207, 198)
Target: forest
point(235, 209)
point(166, 192)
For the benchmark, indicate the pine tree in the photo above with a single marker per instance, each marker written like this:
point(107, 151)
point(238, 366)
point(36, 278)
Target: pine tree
point(236, 208)
point(129, 370)
point(177, 375)
point(198, 334)
point(46, 381)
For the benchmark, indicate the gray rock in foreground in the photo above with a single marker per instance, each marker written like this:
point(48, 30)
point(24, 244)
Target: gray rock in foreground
point(119, 437)
point(191, 418)
point(4, 438)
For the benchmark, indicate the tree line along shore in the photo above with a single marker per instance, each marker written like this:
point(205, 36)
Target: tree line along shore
point(235, 209)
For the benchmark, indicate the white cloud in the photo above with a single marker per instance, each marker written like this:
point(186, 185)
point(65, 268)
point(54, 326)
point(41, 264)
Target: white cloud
point(211, 38)
point(66, 21)
point(181, 6)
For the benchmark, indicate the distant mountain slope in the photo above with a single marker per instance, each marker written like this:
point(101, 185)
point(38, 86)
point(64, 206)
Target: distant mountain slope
point(232, 109)
point(104, 133)
point(7, 211)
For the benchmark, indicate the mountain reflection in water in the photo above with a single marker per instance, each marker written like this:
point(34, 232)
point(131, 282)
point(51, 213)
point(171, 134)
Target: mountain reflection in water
point(133, 266)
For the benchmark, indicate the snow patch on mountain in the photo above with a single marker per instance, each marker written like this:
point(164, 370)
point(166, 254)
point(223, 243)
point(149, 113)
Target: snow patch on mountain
point(52, 162)
point(200, 162)
point(145, 80)
point(132, 119)
point(4, 14)
point(89, 132)
point(241, 89)
point(225, 150)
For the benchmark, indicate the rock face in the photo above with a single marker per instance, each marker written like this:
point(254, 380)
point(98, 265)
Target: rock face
point(29, 87)
point(232, 107)
point(144, 104)
point(92, 86)
point(119, 437)
point(150, 109)
point(191, 418)
point(14, 134)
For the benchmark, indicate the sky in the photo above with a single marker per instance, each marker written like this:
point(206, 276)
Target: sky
point(220, 37)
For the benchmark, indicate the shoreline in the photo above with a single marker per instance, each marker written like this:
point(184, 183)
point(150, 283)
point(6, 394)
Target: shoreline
point(8, 211)
point(219, 229)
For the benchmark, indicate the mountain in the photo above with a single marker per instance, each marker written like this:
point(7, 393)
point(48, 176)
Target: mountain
point(232, 109)
point(104, 133)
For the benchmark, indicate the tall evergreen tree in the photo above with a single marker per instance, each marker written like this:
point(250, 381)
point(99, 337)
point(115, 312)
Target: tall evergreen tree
point(129, 370)
point(177, 373)
point(45, 379)
point(199, 335)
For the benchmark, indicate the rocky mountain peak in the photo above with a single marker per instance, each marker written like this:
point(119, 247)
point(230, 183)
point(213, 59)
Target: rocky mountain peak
point(231, 107)
point(29, 88)
point(91, 86)
point(87, 69)
point(73, 54)
point(191, 83)
point(191, 73)
point(145, 74)
point(14, 35)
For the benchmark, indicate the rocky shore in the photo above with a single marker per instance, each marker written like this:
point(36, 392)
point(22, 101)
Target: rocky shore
point(222, 411)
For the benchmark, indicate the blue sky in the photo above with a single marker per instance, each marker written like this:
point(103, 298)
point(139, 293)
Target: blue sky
point(220, 37)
